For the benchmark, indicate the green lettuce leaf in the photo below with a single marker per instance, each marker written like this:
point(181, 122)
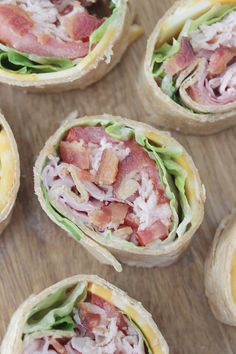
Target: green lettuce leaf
point(23, 63)
point(98, 34)
point(165, 52)
point(180, 180)
point(54, 312)
point(119, 132)
point(167, 85)
point(65, 223)
point(149, 350)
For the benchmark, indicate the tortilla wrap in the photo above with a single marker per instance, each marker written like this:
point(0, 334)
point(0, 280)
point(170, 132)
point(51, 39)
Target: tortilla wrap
point(106, 249)
point(220, 269)
point(162, 110)
point(102, 59)
point(13, 343)
point(9, 172)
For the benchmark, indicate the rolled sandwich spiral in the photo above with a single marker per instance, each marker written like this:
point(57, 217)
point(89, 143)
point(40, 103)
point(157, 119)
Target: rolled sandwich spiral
point(187, 82)
point(126, 191)
point(81, 314)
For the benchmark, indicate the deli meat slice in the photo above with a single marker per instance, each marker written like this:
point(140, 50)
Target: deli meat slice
point(182, 59)
point(82, 25)
point(17, 31)
point(220, 59)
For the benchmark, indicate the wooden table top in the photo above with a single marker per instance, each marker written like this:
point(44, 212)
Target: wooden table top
point(34, 253)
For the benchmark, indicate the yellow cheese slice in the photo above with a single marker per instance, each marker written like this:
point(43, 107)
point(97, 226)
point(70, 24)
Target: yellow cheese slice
point(147, 330)
point(233, 277)
point(7, 169)
point(135, 32)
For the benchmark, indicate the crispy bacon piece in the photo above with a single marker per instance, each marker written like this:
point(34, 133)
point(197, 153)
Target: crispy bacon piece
point(114, 212)
point(75, 154)
point(182, 59)
point(108, 168)
point(81, 25)
point(123, 232)
point(220, 59)
point(118, 212)
point(111, 311)
point(137, 160)
point(101, 217)
point(88, 134)
point(58, 346)
point(156, 231)
point(132, 221)
point(89, 320)
point(16, 32)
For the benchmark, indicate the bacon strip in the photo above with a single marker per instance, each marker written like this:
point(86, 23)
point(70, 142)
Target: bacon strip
point(101, 217)
point(75, 154)
point(156, 231)
point(118, 212)
point(220, 59)
point(88, 134)
point(108, 168)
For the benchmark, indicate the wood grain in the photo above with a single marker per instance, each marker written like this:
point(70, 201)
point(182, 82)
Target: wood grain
point(35, 253)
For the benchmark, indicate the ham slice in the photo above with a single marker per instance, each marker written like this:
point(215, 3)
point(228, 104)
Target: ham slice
point(215, 91)
point(16, 31)
point(80, 26)
point(74, 153)
point(182, 59)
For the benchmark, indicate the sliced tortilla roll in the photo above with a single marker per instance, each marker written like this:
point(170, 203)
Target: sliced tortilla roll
point(62, 45)
point(187, 82)
point(82, 314)
point(9, 172)
point(126, 191)
point(220, 272)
